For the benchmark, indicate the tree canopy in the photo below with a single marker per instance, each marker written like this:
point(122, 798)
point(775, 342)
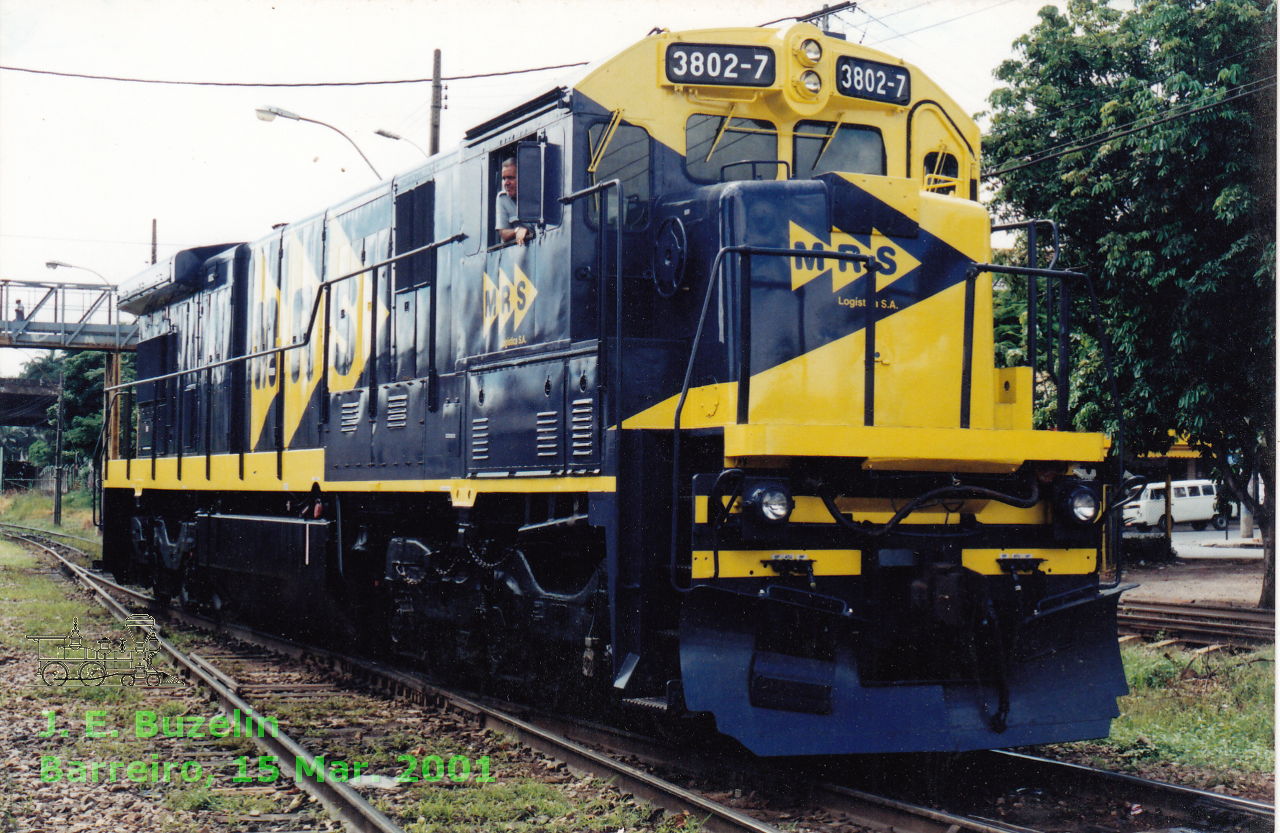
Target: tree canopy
point(81, 375)
point(1148, 134)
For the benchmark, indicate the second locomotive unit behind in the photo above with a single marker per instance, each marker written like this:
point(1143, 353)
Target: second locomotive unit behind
point(720, 433)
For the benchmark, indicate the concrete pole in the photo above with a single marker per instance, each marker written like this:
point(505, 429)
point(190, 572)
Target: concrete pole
point(437, 103)
point(57, 458)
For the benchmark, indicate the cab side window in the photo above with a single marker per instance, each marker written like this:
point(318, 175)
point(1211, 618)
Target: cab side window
point(726, 148)
point(820, 147)
point(941, 173)
point(622, 154)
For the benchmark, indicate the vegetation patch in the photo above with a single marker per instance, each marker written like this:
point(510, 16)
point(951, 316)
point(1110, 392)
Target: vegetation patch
point(527, 805)
point(35, 510)
point(1207, 720)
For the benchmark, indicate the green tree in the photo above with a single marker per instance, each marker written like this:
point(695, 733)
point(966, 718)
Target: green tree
point(1149, 136)
point(81, 375)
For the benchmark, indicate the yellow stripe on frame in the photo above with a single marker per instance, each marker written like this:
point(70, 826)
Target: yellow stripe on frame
point(1072, 562)
point(748, 563)
point(305, 467)
point(811, 510)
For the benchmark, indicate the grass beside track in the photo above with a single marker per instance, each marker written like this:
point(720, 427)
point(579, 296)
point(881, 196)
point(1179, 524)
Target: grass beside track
point(36, 510)
point(1203, 719)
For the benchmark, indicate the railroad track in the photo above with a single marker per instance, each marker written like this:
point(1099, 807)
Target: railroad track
point(234, 674)
point(1199, 624)
point(339, 800)
point(827, 802)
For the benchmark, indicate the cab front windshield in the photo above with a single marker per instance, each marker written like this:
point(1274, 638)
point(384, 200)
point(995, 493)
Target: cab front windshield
point(728, 148)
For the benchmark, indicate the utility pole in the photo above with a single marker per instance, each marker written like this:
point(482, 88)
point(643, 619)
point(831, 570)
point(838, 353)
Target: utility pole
point(57, 455)
point(437, 104)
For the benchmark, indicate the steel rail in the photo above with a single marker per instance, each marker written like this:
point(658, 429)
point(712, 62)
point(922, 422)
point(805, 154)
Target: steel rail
point(863, 808)
point(1170, 799)
point(650, 788)
point(1207, 624)
point(343, 802)
point(1234, 614)
point(40, 531)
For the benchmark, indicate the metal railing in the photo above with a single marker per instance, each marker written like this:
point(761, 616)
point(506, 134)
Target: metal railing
point(120, 396)
point(68, 316)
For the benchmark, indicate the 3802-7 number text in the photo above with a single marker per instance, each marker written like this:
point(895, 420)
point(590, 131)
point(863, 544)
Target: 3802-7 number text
point(857, 78)
point(718, 64)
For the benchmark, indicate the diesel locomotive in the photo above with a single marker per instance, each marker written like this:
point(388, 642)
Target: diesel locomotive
point(723, 436)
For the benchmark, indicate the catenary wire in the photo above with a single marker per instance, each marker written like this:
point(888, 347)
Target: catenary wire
point(944, 22)
point(93, 77)
point(1053, 114)
point(1088, 142)
point(1173, 109)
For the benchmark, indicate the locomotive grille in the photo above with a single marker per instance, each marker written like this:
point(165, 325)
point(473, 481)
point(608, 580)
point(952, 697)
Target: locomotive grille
point(397, 410)
point(349, 420)
point(548, 433)
point(583, 427)
point(480, 438)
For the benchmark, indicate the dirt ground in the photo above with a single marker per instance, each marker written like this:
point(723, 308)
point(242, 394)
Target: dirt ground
point(1219, 581)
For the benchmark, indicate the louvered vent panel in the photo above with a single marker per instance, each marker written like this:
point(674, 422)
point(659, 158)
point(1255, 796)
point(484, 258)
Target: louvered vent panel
point(480, 438)
point(582, 429)
point(548, 437)
point(397, 410)
point(349, 420)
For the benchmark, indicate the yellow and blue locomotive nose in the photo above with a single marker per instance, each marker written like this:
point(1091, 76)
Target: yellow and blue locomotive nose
point(787, 672)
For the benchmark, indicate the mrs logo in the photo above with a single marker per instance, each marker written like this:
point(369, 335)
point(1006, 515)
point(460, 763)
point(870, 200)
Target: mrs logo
point(892, 261)
point(507, 300)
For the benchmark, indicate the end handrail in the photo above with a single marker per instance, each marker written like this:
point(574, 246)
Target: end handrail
point(715, 278)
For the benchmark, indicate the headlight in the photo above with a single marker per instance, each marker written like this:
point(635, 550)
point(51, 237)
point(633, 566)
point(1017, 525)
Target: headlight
point(1085, 506)
point(771, 501)
point(811, 81)
point(1080, 503)
point(811, 50)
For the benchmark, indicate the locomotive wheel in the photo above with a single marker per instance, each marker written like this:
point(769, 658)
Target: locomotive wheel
point(92, 673)
point(55, 673)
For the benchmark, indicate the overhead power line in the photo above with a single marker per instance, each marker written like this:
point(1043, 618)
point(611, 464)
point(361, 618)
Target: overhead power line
point(174, 82)
point(1049, 115)
point(944, 22)
point(1099, 138)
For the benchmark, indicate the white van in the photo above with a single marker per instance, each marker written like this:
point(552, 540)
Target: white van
point(1194, 502)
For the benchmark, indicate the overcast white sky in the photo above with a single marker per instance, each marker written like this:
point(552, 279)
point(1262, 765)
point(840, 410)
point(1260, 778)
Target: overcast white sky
point(85, 165)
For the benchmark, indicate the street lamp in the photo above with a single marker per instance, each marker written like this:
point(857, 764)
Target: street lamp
point(397, 137)
point(61, 264)
point(270, 113)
